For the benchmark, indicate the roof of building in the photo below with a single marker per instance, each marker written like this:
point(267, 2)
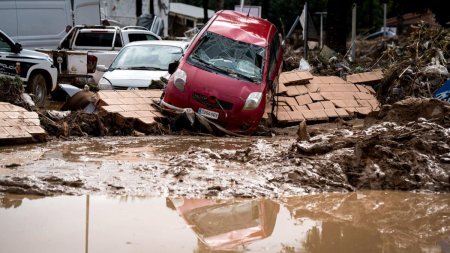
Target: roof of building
point(188, 10)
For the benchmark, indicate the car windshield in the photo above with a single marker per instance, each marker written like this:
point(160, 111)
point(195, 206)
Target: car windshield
point(233, 58)
point(146, 57)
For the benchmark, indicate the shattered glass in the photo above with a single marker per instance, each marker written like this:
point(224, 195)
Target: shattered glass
point(234, 58)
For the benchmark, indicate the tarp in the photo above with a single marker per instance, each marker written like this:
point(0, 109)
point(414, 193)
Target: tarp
point(443, 93)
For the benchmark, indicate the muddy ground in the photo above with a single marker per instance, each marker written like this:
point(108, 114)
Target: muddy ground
point(404, 147)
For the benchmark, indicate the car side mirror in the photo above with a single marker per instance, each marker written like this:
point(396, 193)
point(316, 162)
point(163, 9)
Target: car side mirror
point(102, 68)
point(173, 66)
point(17, 48)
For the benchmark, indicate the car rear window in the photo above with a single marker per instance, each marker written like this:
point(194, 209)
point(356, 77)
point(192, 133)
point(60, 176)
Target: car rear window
point(97, 39)
point(139, 37)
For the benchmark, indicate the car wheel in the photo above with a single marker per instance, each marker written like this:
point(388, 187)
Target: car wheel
point(38, 87)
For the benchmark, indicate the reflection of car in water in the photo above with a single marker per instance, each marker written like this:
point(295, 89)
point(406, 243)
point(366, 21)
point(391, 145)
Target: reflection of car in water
point(229, 72)
point(140, 63)
point(228, 224)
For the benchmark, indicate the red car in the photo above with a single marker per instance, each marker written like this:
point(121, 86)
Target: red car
point(229, 71)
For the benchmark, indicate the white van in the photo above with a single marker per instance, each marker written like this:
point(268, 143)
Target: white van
point(42, 24)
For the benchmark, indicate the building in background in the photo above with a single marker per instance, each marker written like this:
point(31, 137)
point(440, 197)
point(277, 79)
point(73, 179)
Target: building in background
point(183, 17)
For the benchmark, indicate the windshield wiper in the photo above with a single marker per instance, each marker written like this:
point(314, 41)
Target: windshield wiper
point(242, 76)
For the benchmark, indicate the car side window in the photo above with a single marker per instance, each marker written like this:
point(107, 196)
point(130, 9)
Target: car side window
point(140, 37)
point(4, 46)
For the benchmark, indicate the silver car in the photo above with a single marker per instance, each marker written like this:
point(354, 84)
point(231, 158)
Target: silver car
point(138, 64)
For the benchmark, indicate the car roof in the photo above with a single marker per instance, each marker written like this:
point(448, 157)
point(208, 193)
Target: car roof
point(238, 26)
point(176, 43)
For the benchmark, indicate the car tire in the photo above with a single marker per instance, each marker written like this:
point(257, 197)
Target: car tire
point(38, 87)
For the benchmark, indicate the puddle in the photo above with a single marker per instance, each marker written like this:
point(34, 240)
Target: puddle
point(334, 222)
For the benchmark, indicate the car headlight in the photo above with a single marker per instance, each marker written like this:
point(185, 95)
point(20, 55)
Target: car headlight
point(253, 101)
point(104, 84)
point(179, 79)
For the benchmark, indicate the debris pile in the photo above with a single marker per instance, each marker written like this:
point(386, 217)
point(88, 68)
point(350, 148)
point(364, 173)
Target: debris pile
point(416, 67)
point(402, 155)
point(302, 96)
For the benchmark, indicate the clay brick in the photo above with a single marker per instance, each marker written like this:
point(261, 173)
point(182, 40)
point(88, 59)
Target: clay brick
point(144, 107)
point(3, 133)
point(296, 116)
point(315, 96)
point(30, 115)
point(282, 79)
point(370, 89)
point(339, 87)
point(112, 101)
point(12, 115)
point(320, 114)
point(281, 88)
point(315, 80)
point(351, 103)
point(283, 117)
point(147, 120)
point(364, 110)
point(144, 113)
point(325, 87)
point(309, 115)
point(302, 107)
point(129, 108)
point(331, 113)
point(327, 95)
point(315, 106)
point(342, 112)
point(112, 108)
point(31, 122)
point(112, 94)
point(303, 99)
point(362, 88)
point(302, 89)
point(17, 132)
point(361, 95)
point(287, 108)
point(292, 91)
point(327, 105)
point(374, 103)
point(127, 93)
point(312, 87)
point(128, 114)
point(34, 130)
point(338, 103)
point(364, 103)
point(351, 110)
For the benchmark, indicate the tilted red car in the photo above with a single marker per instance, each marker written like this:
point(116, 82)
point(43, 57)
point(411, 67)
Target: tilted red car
point(229, 71)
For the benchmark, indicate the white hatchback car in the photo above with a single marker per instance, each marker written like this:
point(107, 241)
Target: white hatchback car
point(140, 63)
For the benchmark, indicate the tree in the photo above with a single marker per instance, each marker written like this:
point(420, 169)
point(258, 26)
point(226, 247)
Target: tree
point(337, 24)
point(205, 11)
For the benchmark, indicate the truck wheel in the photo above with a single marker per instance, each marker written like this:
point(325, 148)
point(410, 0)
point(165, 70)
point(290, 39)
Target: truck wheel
point(38, 87)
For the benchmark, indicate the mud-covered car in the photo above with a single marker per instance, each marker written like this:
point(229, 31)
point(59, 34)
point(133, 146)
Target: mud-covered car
point(35, 69)
point(229, 71)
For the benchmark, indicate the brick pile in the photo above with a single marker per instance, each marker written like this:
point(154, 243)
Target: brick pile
point(17, 125)
point(131, 106)
point(366, 77)
point(321, 98)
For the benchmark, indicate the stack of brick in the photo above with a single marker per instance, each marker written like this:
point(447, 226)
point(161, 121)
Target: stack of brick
point(17, 125)
point(366, 77)
point(321, 98)
point(132, 106)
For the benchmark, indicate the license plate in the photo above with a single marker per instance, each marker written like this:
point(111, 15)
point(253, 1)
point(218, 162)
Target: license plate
point(208, 113)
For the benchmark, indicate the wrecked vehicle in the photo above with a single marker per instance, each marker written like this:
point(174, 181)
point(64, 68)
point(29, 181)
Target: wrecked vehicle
point(229, 72)
point(86, 46)
point(35, 69)
point(140, 64)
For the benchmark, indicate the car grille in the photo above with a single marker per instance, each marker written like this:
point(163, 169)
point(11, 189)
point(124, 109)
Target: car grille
point(204, 100)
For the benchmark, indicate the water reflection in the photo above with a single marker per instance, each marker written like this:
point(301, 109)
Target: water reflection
point(355, 222)
point(227, 225)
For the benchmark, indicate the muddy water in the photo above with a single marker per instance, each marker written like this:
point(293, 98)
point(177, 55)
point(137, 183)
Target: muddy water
point(334, 222)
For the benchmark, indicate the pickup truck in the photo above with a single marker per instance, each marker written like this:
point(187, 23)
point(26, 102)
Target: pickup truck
point(84, 47)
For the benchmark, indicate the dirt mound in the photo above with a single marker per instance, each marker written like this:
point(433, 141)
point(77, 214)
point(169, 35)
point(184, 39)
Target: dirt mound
point(414, 156)
point(412, 109)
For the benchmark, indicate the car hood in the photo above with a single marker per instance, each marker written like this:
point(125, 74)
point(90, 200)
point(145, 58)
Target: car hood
point(220, 86)
point(133, 78)
point(33, 54)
